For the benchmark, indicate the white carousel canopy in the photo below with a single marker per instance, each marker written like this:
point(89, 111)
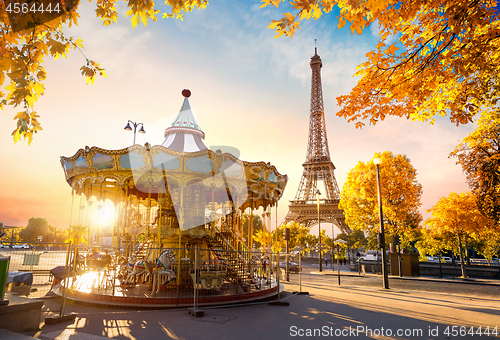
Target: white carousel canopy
point(184, 135)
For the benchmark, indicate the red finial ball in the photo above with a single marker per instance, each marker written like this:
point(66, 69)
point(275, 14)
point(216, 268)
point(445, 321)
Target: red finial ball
point(186, 93)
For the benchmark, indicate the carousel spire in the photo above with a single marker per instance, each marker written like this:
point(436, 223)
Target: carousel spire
point(184, 134)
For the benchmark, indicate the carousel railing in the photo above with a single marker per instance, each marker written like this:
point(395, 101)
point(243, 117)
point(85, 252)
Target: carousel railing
point(213, 276)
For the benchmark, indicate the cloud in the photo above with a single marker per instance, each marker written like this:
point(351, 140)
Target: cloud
point(376, 29)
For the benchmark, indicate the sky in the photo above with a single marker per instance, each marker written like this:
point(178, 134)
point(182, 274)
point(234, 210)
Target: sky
point(249, 91)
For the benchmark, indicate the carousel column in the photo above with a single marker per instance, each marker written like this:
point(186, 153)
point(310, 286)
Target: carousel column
point(89, 219)
point(100, 204)
point(160, 204)
point(115, 224)
point(120, 227)
point(239, 227)
point(89, 216)
point(250, 230)
point(181, 222)
point(276, 224)
point(137, 223)
point(264, 229)
point(118, 213)
point(213, 207)
point(77, 237)
point(99, 224)
point(268, 214)
point(126, 223)
point(148, 213)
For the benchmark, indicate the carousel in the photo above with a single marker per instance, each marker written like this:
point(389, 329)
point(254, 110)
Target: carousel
point(178, 226)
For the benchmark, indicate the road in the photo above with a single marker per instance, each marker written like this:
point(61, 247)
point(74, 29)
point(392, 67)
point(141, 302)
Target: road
point(486, 288)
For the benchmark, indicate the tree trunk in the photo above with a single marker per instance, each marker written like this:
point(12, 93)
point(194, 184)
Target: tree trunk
point(467, 253)
point(462, 264)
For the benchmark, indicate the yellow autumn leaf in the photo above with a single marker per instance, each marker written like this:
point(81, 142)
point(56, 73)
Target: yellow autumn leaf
point(289, 16)
point(391, 49)
point(79, 43)
point(22, 115)
point(342, 23)
point(276, 3)
point(265, 3)
point(317, 13)
point(274, 24)
point(16, 135)
point(134, 20)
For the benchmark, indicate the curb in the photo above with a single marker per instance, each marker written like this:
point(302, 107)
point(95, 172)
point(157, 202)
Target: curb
point(391, 277)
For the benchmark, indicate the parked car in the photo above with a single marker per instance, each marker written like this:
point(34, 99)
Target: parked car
point(370, 257)
point(435, 259)
point(445, 259)
point(292, 266)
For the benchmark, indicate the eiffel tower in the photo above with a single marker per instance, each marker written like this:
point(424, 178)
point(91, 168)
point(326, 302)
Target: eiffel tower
point(318, 167)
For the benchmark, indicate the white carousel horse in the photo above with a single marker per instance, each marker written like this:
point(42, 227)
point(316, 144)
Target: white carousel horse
point(163, 274)
point(147, 267)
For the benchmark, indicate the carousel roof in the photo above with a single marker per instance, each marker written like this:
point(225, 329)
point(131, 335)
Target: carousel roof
point(184, 135)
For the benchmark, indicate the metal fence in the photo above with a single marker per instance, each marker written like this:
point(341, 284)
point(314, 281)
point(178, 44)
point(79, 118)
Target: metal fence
point(174, 277)
point(30, 266)
point(153, 277)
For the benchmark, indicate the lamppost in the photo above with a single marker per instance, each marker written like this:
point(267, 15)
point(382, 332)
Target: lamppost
point(319, 235)
point(136, 125)
point(333, 247)
point(377, 162)
point(338, 259)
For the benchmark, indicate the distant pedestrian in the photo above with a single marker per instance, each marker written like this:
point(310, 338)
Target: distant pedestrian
point(326, 261)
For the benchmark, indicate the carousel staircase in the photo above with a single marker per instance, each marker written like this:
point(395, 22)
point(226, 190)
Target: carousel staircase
point(143, 251)
point(236, 263)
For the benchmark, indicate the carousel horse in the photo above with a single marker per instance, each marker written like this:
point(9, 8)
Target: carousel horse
point(147, 268)
point(163, 273)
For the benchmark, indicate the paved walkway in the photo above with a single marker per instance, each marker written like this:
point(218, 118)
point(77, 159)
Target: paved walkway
point(328, 311)
point(345, 271)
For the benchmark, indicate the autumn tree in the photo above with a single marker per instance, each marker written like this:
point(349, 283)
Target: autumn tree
point(457, 217)
point(257, 226)
point(488, 244)
point(10, 234)
point(434, 58)
point(300, 237)
point(325, 240)
point(435, 241)
point(77, 235)
point(479, 156)
point(401, 194)
point(356, 239)
point(278, 239)
point(37, 226)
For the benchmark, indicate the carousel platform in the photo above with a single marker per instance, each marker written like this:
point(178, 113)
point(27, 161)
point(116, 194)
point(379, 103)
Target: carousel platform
point(84, 289)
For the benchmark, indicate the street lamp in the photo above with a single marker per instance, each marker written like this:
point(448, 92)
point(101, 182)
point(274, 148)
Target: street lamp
point(319, 235)
point(377, 162)
point(136, 125)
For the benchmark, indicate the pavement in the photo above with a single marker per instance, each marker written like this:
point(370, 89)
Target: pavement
point(345, 271)
point(328, 311)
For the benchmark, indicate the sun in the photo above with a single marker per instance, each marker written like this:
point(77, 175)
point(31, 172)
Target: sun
point(106, 214)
